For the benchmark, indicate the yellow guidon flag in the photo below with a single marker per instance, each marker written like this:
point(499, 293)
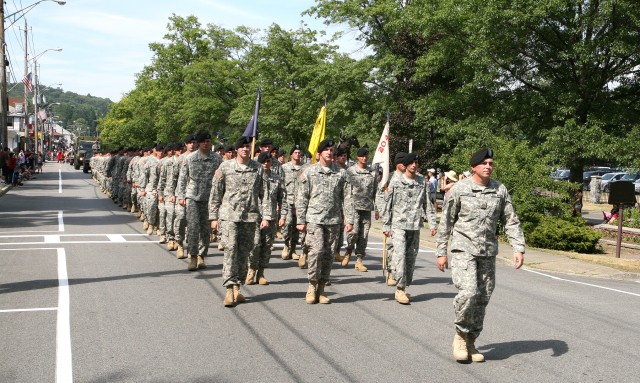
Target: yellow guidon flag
point(318, 133)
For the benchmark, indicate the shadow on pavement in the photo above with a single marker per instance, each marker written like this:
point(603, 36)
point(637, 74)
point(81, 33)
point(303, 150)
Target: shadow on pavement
point(501, 351)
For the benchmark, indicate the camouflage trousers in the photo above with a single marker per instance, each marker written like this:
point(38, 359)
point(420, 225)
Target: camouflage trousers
point(337, 244)
point(170, 209)
point(141, 202)
point(151, 208)
point(261, 252)
point(134, 197)
point(162, 218)
point(405, 246)
point(320, 239)
point(239, 238)
point(359, 236)
point(475, 278)
point(197, 214)
point(180, 223)
point(290, 234)
point(126, 194)
point(115, 188)
point(389, 255)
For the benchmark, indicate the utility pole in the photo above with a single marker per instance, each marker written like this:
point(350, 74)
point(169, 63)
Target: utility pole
point(4, 133)
point(26, 91)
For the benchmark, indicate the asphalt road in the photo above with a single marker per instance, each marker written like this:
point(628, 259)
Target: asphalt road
point(86, 296)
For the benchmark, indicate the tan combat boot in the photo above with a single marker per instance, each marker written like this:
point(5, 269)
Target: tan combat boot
point(302, 262)
point(475, 355)
point(170, 245)
point(460, 353)
point(213, 237)
point(295, 256)
point(180, 252)
point(285, 253)
point(163, 239)
point(149, 229)
point(360, 266)
point(145, 225)
point(390, 280)
point(347, 256)
point(261, 279)
point(193, 264)
point(311, 293)
point(200, 262)
point(220, 246)
point(133, 208)
point(323, 299)
point(337, 257)
point(401, 296)
point(228, 297)
point(237, 297)
point(251, 275)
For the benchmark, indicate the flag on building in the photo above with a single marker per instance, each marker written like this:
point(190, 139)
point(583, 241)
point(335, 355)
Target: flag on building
point(43, 114)
point(382, 154)
point(252, 127)
point(27, 82)
point(318, 133)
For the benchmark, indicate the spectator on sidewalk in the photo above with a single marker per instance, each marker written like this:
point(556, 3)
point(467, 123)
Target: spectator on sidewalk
point(4, 156)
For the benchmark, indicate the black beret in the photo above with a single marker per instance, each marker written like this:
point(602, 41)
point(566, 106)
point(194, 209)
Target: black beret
point(295, 147)
point(189, 138)
point(409, 158)
point(266, 141)
point(275, 149)
point(159, 147)
point(202, 136)
point(399, 158)
point(480, 156)
point(264, 157)
point(326, 143)
point(242, 141)
point(228, 148)
point(220, 147)
point(364, 151)
point(340, 152)
point(281, 153)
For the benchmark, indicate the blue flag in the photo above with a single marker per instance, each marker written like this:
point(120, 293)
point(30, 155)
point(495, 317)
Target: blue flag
point(252, 127)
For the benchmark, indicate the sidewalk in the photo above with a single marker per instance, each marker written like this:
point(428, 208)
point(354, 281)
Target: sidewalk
point(4, 188)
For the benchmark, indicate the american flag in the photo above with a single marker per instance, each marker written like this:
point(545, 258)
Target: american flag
point(27, 82)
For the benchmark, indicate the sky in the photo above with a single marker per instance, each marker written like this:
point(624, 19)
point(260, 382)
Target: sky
point(106, 42)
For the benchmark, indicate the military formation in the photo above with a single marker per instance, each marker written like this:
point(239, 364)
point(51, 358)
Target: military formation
point(190, 195)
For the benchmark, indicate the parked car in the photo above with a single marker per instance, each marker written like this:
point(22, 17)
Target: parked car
point(610, 177)
point(594, 171)
point(561, 175)
point(636, 184)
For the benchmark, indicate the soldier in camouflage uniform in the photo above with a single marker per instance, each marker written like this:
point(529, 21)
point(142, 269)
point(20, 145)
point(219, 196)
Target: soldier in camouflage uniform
point(162, 183)
point(241, 193)
point(151, 173)
point(259, 257)
point(470, 217)
point(167, 193)
point(363, 190)
point(380, 201)
point(340, 160)
point(116, 174)
point(323, 193)
point(406, 205)
point(180, 220)
point(289, 231)
point(194, 187)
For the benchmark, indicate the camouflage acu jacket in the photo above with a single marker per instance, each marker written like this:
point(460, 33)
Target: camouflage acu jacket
point(407, 203)
point(196, 175)
point(470, 218)
point(323, 194)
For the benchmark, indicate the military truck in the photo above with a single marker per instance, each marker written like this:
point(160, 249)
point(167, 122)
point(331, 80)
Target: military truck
point(85, 145)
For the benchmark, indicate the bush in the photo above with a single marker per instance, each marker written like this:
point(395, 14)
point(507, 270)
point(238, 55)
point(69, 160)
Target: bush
point(560, 234)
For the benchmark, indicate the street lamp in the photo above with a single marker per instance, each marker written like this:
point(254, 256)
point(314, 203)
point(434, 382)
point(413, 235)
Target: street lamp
point(3, 62)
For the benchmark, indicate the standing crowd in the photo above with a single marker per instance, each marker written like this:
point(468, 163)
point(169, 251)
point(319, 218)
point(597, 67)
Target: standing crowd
point(190, 195)
point(17, 166)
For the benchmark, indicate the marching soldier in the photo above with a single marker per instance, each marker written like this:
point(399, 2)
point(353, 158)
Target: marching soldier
point(180, 220)
point(406, 205)
point(289, 232)
point(470, 217)
point(240, 191)
point(323, 193)
point(194, 187)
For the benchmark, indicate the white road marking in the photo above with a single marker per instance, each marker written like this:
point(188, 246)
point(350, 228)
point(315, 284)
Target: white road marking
point(51, 239)
point(581, 283)
point(60, 221)
point(64, 369)
point(72, 242)
point(116, 238)
point(60, 180)
point(28, 310)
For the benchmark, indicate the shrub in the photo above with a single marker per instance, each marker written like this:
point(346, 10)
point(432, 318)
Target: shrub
point(559, 234)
